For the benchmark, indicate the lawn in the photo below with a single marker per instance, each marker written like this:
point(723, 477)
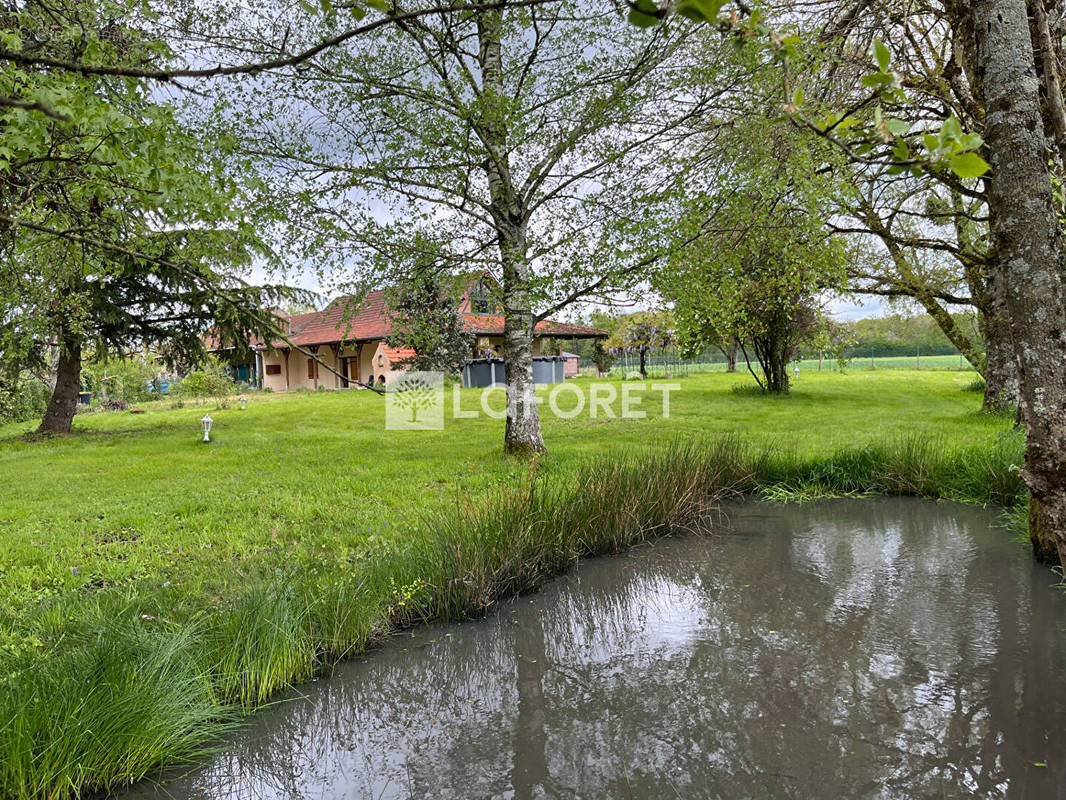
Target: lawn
point(132, 496)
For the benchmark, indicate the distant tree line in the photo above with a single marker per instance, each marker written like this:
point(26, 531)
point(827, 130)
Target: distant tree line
point(902, 335)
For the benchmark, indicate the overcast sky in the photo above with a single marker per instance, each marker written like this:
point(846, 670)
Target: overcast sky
point(847, 310)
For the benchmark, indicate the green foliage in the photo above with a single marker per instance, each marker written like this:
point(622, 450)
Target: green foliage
point(643, 332)
point(24, 397)
point(213, 381)
point(867, 132)
point(130, 230)
point(903, 335)
point(581, 143)
point(761, 256)
point(602, 356)
point(126, 379)
point(426, 319)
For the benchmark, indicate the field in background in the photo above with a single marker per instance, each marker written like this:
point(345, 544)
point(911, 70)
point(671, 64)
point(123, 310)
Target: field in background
point(955, 363)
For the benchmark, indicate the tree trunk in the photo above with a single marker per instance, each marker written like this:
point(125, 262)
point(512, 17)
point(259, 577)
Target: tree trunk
point(64, 401)
point(983, 275)
point(730, 353)
point(643, 363)
point(1026, 236)
point(522, 435)
point(1001, 370)
point(772, 353)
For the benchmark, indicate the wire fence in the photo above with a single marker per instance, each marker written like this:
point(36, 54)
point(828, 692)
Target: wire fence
point(662, 365)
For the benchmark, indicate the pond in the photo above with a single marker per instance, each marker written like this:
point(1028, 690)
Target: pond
point(847, 648)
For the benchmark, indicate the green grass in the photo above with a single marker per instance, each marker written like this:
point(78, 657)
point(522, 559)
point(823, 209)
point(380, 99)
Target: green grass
point(130, 497)
point(133, 555)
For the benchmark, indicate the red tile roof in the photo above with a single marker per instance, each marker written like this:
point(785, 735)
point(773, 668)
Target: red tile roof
point(395, 354)
point(371, 320)
point(492, 325)
point(341, 321)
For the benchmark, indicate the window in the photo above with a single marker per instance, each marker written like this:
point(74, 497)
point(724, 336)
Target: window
point(273, 369)
point(480, 299)
point(312, 368)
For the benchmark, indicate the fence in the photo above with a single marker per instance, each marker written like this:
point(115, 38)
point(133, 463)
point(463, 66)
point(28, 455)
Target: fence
point(660, 365)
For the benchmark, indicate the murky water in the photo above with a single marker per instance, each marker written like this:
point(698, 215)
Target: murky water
point(873, 648)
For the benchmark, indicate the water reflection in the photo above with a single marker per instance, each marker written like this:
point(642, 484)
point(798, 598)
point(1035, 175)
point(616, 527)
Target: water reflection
point(874, 648)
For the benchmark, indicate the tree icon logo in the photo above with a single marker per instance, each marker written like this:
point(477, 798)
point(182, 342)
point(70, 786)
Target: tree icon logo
point(415, 402)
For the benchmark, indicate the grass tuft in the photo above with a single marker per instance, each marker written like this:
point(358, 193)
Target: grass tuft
point(260, 645)
point(103, 714)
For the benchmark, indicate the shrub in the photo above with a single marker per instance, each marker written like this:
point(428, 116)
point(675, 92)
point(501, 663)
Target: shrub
point(125, 379)
point(25, 399)
point(211, 381)
point(603, 358)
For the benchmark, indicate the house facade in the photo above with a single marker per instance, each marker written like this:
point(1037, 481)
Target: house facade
point(347, 340)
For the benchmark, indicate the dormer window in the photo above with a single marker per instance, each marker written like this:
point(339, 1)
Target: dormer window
point(481, 299)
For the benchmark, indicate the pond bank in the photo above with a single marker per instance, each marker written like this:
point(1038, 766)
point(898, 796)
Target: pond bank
point(161, 690)
point(845, 648)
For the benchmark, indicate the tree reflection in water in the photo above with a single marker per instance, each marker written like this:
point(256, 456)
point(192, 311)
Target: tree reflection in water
point(873, 648)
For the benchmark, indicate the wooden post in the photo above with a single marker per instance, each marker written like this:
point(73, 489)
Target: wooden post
point(313, 349)
point(337, 363)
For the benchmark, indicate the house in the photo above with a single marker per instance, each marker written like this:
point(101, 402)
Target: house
point(348, 336)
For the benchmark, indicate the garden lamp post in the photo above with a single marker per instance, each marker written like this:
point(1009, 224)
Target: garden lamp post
point(243, 401)
point(205, 422)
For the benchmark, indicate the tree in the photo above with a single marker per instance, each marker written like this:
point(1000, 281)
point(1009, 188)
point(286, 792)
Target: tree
point(466, 128)
point(925, 226)
point(696, 332)
point(934, 252)
point(120, 229)
point(765, 255)
point(1008, 67)
point(206, 28)
point(603, 357)
point(643, 332)
point(1006, 70)
point(425, 319)
point(1027, 234)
